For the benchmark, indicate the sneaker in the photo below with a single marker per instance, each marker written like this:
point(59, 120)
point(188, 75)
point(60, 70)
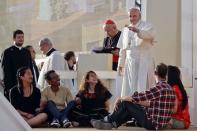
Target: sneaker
point(93, 122)
point(100, 124)
point(66, 123)
point(55, 124)
point(75, 124)
point(132, 123)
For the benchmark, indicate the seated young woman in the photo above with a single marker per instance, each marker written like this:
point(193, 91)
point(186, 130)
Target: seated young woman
point(26, 99)
point(181, 118)
point(92, 100)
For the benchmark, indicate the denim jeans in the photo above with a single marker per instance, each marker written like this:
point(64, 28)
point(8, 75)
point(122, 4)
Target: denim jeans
point(61, 115)
point(128, 110)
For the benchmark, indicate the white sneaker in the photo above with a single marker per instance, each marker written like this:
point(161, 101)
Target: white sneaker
point(66, 123)
point(55, 124)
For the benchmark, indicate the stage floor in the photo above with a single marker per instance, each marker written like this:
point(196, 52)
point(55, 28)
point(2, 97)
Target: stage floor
point(93, 129)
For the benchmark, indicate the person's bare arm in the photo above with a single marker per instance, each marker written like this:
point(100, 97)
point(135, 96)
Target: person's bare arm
point(119, 100)
point(107, 105)
point(25, 114)
point(121, 61)
point(78, 100)
point(127, 98)
point(175, 106)
point(115, 52)
point(43, 104)
point(144, 103)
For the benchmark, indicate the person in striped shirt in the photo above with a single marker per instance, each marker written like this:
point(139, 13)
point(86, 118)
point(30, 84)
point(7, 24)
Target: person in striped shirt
point(152, 109)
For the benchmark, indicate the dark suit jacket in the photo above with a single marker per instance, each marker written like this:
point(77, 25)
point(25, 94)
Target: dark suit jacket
point(14, 58)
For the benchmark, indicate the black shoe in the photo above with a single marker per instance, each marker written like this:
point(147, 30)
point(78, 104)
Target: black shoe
point(132, 123)
point(66, 123)
point(55, 124)
point(100, 124)
point(93, 121)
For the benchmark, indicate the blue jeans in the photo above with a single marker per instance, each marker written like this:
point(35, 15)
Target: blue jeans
point(55, 113)
point(128, 110)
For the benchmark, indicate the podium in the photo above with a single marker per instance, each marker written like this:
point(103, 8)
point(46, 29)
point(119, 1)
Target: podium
point(94, 62)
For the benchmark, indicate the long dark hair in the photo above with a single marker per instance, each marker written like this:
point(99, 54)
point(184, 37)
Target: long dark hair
point(100, 89)
point(21, 72)
point(174, 78)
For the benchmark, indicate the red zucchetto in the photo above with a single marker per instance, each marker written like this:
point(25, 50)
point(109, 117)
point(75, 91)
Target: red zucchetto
point(109, 22)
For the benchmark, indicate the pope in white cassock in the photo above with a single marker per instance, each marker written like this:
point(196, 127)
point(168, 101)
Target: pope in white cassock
point(54, 61)
point(135, 60)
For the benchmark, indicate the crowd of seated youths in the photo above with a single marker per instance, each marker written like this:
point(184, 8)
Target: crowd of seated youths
point(91, 104)
point(56, 102)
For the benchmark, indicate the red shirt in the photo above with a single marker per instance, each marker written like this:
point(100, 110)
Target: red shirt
point(115, 58)
point(182, 115)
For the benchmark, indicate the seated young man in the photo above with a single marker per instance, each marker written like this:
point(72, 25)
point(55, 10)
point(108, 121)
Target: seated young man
point(57, 101)
point(152, 109)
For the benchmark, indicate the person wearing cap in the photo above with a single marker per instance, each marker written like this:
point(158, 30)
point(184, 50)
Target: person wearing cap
point(136, 63)
point(110, 41)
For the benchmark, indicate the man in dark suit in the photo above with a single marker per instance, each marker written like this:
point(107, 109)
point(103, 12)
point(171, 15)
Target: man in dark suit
point(14, 58)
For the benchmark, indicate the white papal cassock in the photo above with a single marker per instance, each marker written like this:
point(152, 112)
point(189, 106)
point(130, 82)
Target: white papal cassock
point(135, 57)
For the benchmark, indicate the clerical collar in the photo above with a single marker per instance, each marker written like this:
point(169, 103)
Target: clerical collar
point(19, 47)
point(50, 51)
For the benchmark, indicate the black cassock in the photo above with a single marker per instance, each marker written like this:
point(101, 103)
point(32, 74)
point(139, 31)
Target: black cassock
point(14, 58)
